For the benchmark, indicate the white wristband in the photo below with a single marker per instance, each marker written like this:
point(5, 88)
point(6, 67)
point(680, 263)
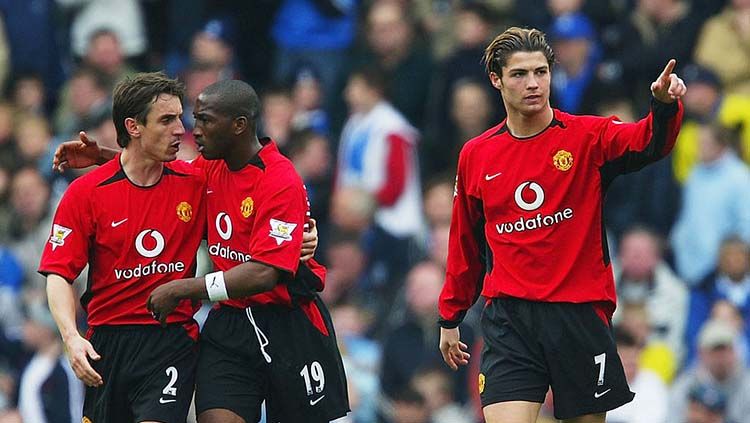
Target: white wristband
point(217, 290)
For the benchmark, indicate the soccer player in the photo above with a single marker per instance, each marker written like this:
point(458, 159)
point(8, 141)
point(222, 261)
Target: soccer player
point(527, 233)
point(137, 221)
point(278, 345)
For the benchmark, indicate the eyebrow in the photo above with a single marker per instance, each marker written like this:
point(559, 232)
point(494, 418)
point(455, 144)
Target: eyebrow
point(545, 67)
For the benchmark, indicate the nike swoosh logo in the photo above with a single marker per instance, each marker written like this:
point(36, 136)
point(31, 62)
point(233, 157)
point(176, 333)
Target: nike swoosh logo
point(491, 177)
point(210, 191)
point(166, 401)
point(618, 122)
point(116, 224)
point(317, 400)
point(601, 394)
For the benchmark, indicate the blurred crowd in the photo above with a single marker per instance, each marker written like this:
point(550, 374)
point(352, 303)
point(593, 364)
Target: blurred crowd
point(372, 101)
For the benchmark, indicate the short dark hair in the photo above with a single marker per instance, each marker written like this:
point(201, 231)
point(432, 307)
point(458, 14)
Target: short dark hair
point(372, 76)
point(513, 40)
point(235, 98)
point(134, 95)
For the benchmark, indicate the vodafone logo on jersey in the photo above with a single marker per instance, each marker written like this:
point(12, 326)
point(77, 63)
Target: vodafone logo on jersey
point(149, 243)
point(158, 243)
point(529, 196)
point(225, 229)
point(538, 196)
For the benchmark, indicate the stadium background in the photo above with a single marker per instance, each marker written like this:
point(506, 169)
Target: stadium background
point(678, 230)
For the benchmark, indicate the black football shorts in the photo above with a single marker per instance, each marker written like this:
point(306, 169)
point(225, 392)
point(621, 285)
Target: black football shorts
point(530, 346)
point(272, 353)
point(148, 373)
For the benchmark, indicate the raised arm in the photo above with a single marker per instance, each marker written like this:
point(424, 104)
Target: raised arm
point(80, 153)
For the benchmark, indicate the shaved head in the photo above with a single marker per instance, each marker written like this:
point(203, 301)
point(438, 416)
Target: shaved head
point(233, 98)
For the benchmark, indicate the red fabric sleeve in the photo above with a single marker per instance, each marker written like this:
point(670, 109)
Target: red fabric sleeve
point(464, 270)
point(276, 238)
point(647, 140)
point(395, 173)
point(66, 251)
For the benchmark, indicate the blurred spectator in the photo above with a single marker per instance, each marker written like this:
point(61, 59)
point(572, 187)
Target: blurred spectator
point(89, 97)
point(707, 405)
point(438, 200)
point(730, 282)
point(715, 205)
point(32, 30)
point(656, 356)
point(439, 244)
point(393, 49)
point(33, 137)
point(643, 278)
point(706, 102)
point(377, 153)
point(352, 209)
point(310, 153)
point(435, 385)
point(471, 112)
point(123, 17)
point(8, 153)
point(346, 271)
point(539, 13)
point(49, 390)
point(409, 406)
point(11, 279)
point(214, 45)
point(314, 33)
point(575, 85)
point(724, 46)
point(28, 94)
point(361, 360)
point(29, 229)
point(104, 53)
point(445, 22)
point(411, 345)
point(457, 110)
point(639, 45)
point(718, 366)
point(277, 112)
point(307, 96)
point(728, 312)
point(651, 394)
point(649, 197)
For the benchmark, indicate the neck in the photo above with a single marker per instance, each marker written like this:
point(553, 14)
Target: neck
point(140, 169)
point(242, 153)
point(526, 125)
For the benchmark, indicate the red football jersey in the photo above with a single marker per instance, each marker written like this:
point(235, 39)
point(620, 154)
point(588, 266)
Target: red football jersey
point(527, 212)
point(258, 212)
point(133, 238)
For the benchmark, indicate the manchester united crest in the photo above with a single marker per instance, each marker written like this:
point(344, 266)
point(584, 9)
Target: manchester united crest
point(481, 383)
point(563, 160)
point(184, 211)
point(247, 207)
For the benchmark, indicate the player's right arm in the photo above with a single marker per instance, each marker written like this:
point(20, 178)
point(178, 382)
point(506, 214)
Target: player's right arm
point(62, 305)
point(64, 256)
point(464, 270)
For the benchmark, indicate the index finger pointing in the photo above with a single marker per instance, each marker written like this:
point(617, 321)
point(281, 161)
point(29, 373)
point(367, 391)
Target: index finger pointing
point(668, 69)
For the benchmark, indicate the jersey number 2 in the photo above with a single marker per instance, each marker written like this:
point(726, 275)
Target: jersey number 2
point(170, 389)
point(313, 372)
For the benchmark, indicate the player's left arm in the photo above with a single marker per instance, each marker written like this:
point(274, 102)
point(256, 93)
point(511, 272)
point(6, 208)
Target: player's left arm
point(275, 248)
point(630, 146)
